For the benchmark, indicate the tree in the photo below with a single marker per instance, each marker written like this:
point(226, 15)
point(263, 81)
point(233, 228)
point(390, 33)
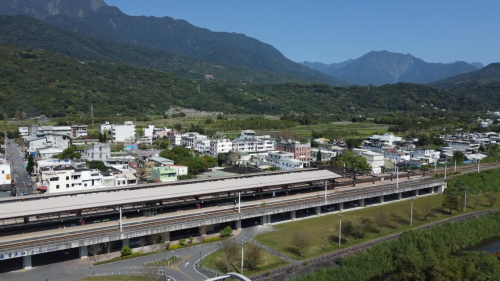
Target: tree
point(450, 202)
point(95, 249)
point(211, 161)
point(31, 164)
point(491, 197)
point(154, 238)
point(253, 256)
point(107, 246)
point(459, 156)
point(318, 156)
point(396, 219)
point(300, 240)
point(69, 153)
point(125, 251)
point(351, 160)
point(191, 238)
point(352, 143)
point(178, 127)
point(476, 199)
point(165, 240)
point(99, 165)
point(221, 159)
point(182, 241)
point(365, 224)
point(230, 251)
point(427, 211)
point(381, 220)
point(227, 231)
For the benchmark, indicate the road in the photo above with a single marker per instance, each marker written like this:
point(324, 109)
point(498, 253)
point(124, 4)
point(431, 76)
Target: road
point(186, 270)
point(17, 164)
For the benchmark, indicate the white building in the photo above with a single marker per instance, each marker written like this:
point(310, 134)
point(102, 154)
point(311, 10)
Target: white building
point(220, 146)
point(248, 142)
point(176, 139)
point(462, 145)
point(326, 154)
point(149, 131)
point(64, 176)
point(147, 140)
point(48, 152)
point(161, 161)
point(423, 155)
point(189, 140)
point(5, 174)
point(60, 130)
point(120, 175)
point(123, 133)
point(275, 156)
point(203, 146)
point(105, 127)
point(98, 152)
point(289, 164)
point(375, 160)
point(181, 170)
point(34, 143)
point(56, 140)
point(23, 131)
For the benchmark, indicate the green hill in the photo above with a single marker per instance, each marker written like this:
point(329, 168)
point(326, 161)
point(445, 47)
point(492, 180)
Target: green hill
point(96, 19)
point(39, 82)
point(27, 32)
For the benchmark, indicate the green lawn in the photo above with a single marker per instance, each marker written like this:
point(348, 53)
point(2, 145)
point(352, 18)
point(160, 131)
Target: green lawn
point(324, 226)
point(269, 262)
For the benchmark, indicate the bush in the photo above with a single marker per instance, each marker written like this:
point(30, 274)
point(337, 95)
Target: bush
point(213, 239)
point(174, 247)
point(228, 231)
point(182, 241)
point(125, 251)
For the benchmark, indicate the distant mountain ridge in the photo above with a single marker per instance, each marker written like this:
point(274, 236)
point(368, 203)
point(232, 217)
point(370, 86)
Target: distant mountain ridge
point(486, 77)
point(96, 19)
point(28, 32)
point(326, 68)
point(383, 67)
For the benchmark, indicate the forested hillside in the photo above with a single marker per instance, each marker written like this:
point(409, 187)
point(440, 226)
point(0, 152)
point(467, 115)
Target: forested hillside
point(40, 82)
point(28, 32)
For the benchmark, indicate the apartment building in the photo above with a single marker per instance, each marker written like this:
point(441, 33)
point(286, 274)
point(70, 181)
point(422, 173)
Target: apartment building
point(275, 156)
point(203, 146)
point(23, 131)
point(301, 151)
point(65, 175)
point(289, 164)
point(220, 146)
point(79, 131)
point(375, 160)
point(163, 174)
point(189, 140)
point(123, 133)
point(97, 152)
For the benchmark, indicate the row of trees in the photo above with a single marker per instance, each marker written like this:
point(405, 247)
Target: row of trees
point(230, 258)
point(186, 157)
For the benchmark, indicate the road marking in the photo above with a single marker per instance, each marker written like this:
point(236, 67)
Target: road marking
point(186, 264)
point(175, 267)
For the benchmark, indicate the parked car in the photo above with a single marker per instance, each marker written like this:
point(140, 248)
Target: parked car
point(354, 204)
point(328, 208)
point(25, 192)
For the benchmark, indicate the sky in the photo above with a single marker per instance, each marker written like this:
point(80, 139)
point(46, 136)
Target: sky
point(330, 31)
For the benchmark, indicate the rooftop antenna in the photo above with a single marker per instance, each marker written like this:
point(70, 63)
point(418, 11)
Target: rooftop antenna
point(92, 113)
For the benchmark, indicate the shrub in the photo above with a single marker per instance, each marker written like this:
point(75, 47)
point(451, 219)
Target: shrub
point(174, 247)
point(213, 239)
point(228, 231)
point(191, 239)
point(125, 251)
point(182, 241)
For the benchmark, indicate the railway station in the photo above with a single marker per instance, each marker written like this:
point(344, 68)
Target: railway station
point(67, 223)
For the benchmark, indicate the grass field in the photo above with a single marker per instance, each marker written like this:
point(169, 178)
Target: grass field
point(316, 228)
point(269, 262)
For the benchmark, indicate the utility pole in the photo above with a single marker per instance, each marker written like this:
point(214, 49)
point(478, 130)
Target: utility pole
point(92, 113)
point(411, 212)
point(340, 228)
point(478, 162)
point(242, 253)
point(465, 199)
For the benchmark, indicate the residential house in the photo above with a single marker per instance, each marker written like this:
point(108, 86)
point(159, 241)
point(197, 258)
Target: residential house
point(375, 160)
point(181, 170)
point(218, 146)
point(203, 146)
point(123, 133)
point(301, 151)
point(326, 154)
point(275, 156)
point(289, 164)
point(60, 130)
point(79, 131)
point(97, 152)
point(23, 131)
point(163, 174)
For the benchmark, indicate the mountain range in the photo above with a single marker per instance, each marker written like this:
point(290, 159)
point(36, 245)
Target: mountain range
point(383, 67)
point(94, 18)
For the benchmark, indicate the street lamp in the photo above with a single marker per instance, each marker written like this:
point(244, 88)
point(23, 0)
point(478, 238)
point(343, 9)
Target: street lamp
point(199, 263)
point(411, 212)
point(340, 228)
point(465, 199)
point(242, 254)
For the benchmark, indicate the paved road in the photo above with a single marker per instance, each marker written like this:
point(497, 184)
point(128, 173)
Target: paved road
point(186, 270)
point(21, 176)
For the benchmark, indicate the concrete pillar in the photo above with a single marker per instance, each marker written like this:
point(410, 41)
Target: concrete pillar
point(26, 262)
point(166, 237)
point(238, 224)
point(268, 219)
point(415, 192)
point(317, 211)
point(361, 202)
point(26, 220)
point(400, 195)
point(431, 190)
point(125, 242)
point(293, 215)
point(381, 199)
point(341, 206)
point(84, 252)
point(202, 230)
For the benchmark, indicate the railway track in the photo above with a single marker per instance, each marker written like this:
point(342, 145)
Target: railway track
point(221, 214)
